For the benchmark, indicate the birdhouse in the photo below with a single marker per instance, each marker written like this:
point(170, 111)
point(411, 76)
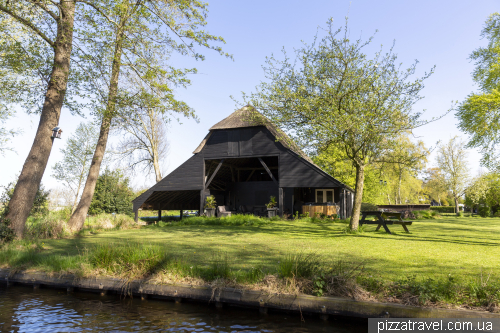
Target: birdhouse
point(56, 132)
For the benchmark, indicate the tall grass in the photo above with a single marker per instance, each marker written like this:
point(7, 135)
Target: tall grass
point(299, 265)
point(128, 260)
point(234, 220)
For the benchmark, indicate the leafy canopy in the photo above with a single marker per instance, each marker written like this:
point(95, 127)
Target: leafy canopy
point(479, 114)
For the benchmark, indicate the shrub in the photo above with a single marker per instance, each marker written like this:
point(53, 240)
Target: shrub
point(365, 207)
point(443, 209)
point(112, 194)
point(6, 232)
point(40, 205)
point(484, 211)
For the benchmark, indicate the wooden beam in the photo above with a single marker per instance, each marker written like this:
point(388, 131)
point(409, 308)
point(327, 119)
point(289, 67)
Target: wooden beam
point(280, 202)
point(182, 213)
point(268, 171)
point(251, 174)
point(159, 214)
point(255, 169)
point(232, 174)
point(136, 218)
point(213, 175)
point(202, 192)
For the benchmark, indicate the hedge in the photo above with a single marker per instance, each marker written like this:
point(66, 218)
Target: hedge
point(443, 209)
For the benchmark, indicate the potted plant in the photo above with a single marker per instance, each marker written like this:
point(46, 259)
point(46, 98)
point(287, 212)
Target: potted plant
point(271, 207)
point(210, 205)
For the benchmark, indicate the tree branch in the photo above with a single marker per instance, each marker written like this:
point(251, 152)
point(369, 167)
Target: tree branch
point(27, 24)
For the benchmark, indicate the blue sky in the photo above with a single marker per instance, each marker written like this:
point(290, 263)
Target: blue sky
point(440, 33)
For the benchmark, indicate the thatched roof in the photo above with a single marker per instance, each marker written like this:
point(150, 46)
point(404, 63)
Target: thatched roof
point(247, 116)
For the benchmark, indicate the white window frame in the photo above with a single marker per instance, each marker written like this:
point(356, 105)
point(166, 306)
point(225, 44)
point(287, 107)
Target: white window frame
point(324, 194)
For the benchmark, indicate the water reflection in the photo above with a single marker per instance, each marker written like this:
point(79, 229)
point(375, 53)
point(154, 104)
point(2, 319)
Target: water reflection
point(24, 310)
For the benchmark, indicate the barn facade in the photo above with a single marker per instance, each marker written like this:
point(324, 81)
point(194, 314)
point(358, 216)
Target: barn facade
point(242, 162)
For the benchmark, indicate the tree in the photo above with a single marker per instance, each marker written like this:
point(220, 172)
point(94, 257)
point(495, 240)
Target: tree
point(42, 51)
point(479, 114)
point(134, 70)
point(435, 186)
point(40, 205)
point(5, 134)
point(333, 94)
point(112, 194)
point(145, 142)
point(406, 159)
point(452, 160)
point(77, 156)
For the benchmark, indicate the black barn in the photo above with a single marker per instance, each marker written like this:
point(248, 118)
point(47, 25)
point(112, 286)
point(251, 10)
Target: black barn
point(243, 161)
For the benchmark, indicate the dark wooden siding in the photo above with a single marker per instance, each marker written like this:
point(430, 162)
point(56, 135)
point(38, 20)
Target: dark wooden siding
point(188, 176)
point(264, 143)
point(246, 142)
point(217, 145)
point(297, 172)
point(254, 141)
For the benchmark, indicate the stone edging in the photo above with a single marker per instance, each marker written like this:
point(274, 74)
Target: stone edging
point(255, 299)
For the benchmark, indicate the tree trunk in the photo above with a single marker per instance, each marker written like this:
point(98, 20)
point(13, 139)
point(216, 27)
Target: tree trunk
point(399, 185)
point(34, 167)
point(358, 197)
point(456, 206)
point(156, 165)
point(77, 219)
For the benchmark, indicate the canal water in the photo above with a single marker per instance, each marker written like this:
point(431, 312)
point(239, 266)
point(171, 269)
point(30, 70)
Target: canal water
point(23, 309)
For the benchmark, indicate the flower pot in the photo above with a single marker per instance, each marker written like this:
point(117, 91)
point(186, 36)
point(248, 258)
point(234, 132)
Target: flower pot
point(271, 212)
point(210, 212)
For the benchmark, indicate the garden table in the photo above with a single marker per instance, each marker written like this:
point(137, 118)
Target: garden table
point(384, 219)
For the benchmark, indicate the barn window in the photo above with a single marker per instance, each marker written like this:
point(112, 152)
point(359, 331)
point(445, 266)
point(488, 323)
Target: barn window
point(324, 195)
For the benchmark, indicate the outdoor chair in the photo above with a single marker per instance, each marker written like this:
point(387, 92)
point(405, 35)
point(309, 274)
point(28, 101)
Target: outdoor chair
point(224, 211)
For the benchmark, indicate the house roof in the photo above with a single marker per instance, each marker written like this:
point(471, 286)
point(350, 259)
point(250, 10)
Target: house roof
point(248, 116)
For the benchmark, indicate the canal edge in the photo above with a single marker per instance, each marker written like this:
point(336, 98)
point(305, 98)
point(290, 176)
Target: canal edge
point(323, 306)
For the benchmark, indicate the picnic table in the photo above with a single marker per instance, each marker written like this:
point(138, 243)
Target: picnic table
point(384, 219)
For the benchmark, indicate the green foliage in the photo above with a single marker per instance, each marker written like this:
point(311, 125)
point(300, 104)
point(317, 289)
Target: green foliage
point(478, 114)
point(112, 194)
point(426, 214)
point(272, 202)
point(6, 232)
point(210, 202)
point(233, 220)
point(484, 211)
point(40, 205)
point(334, 94)
point(443, 209)
point(452, 160)
point(77, 156)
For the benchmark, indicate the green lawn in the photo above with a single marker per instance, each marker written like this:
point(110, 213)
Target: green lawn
point(462, 247)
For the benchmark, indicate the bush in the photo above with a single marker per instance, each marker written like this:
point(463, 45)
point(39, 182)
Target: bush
point(443, 209)
point(365, 207)
point(6, 232)
point(40, 205)
point(112, 194)
point(484, 211)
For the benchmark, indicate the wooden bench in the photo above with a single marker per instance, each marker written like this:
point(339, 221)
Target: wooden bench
point(384, 219)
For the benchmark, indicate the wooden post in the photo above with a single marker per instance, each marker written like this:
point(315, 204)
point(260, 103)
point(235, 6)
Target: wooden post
point(182, 213)
point(202, 192)
point(159, 215)
point(136, 218)
point(281, 201)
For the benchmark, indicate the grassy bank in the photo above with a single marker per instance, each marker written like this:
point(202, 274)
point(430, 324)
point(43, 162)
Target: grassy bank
point(447, 260)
